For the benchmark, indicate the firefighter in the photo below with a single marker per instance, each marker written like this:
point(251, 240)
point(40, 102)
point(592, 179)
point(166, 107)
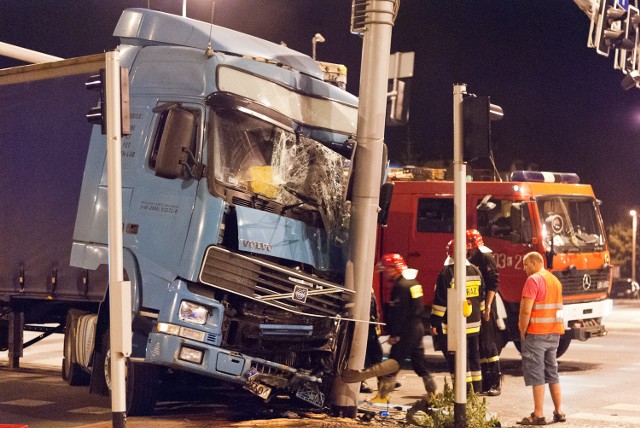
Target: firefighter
point(474, 306)
point(480, 255)
point(405, 326)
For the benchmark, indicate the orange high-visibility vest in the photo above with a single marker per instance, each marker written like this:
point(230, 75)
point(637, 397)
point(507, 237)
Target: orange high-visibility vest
point(546, 316)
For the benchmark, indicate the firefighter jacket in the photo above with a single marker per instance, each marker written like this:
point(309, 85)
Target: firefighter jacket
point(546, 315)
point(406, 310)
point(475, 298)
point(487, 265)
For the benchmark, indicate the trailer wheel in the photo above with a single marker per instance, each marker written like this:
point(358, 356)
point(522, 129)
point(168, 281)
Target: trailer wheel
point(72, 372)
point(142, 382)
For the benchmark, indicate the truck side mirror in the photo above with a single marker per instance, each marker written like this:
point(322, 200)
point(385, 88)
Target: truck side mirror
point(386, 191)
point(177, 134)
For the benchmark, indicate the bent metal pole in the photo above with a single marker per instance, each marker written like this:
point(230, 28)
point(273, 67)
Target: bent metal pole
point(366, 191)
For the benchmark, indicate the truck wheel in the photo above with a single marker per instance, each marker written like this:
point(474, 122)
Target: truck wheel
point(142, 382)
point(72, 372)
point(565, 341)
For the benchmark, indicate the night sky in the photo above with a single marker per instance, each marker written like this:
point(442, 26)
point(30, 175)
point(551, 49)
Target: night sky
point(564, 107)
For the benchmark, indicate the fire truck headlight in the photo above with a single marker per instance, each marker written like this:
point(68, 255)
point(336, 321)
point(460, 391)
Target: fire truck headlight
point(193, 313)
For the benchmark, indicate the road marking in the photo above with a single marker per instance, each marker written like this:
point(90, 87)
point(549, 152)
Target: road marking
point(605, 418)
point(91, 410)
point(630, 369)
point(27, 403)
point(585, 345)
point(624, 406)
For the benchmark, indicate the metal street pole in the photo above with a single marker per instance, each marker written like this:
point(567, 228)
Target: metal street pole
point(380, 16)
point(457, 337)
point(634, 228)
point(119, 290)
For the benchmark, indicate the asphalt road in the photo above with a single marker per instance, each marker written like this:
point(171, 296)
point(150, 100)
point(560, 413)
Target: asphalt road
point(599, 380)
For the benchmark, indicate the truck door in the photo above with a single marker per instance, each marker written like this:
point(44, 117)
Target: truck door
point(494, 223)
point(430, 232)
point(162, 202)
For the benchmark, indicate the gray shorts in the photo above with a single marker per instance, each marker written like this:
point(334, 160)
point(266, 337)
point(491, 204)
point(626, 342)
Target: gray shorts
point(539, 365)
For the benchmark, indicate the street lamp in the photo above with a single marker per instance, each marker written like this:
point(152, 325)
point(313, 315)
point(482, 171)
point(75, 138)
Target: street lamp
point(316, 39)
point(634, 228)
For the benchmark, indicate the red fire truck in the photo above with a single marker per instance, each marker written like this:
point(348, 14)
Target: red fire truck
point(546, 212)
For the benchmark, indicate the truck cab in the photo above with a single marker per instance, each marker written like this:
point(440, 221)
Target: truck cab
point(235, 218)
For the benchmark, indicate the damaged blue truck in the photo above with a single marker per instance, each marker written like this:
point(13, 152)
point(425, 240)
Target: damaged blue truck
point(235, 213)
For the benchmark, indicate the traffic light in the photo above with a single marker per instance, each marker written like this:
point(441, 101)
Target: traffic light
point(627, 52)
point(477, 115)
point(98, 115)
point(398, 104)
point(609, 30)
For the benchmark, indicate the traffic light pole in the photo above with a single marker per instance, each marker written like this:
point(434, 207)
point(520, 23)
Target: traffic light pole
point(366, 189)
point(457, 337)
point(119, 290)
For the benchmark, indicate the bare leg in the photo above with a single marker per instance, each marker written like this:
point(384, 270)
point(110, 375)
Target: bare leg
point(554, 389)
point(538, 400)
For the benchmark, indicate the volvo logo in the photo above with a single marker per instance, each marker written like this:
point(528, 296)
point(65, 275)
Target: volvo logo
point(255, 245)
point(586, 281)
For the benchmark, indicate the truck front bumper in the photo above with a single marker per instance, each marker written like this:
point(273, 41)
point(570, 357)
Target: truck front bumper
point(198, 357)
point(584, 320)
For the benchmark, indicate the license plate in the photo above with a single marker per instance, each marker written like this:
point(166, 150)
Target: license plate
point(311, 394)
point(262, 391)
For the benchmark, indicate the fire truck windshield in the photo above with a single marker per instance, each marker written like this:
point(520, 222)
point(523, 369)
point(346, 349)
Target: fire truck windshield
point(571, 223)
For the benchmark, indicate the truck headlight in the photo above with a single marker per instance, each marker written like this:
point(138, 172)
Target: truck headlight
point(193, 313)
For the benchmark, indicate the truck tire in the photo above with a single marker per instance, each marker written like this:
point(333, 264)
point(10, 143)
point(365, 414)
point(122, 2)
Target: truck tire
point(72, 372)
point(565, 341)
point(142, 382)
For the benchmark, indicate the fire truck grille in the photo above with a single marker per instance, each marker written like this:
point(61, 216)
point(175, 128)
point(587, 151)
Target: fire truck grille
point(272, 284)
point(583, 281)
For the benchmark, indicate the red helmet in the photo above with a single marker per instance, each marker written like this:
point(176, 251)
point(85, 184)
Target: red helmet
point(450, 250)
point(393, 263)
point(474, 239)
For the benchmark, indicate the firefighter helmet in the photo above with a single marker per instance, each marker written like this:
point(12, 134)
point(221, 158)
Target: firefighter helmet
point(450, 250)
point(393, 264)
point(474, 239)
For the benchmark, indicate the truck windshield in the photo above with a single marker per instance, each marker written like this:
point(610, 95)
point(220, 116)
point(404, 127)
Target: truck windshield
point(571, 223)
point(259, 157)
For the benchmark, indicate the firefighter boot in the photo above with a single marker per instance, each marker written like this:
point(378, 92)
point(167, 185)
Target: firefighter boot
point(385, 388)
point(430, 385)
point(495, 385)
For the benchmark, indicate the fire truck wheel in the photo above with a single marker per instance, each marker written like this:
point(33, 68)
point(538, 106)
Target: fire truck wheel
point(565, 341)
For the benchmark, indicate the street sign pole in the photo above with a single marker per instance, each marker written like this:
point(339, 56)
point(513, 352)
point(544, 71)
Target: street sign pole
point(119, 290)
point(457, 339)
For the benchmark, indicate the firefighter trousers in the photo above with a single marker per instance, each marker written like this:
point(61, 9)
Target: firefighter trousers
point(489, 353)
point(474, 373)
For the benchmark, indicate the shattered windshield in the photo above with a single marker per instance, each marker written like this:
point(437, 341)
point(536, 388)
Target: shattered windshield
point(571, 223)
point(262, 158)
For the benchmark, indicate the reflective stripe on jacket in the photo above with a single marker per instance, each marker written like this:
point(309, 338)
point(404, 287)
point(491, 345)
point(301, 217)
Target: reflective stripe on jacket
point(546, 316)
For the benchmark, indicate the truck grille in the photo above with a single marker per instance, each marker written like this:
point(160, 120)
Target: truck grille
point(271, 284)
point(583, 281)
